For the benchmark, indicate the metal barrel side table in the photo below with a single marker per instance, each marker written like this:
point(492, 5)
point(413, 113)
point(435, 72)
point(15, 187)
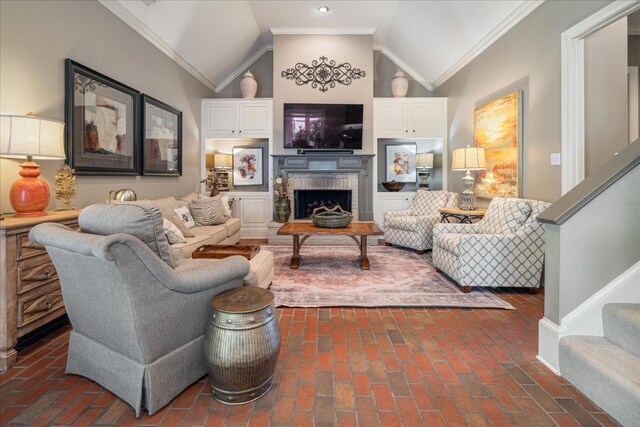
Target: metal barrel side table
point(241, 344)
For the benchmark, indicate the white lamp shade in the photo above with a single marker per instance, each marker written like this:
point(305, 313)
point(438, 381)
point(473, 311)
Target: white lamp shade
point(424, 160)
point(22, 136)
point(469, 158)
point(222, 161)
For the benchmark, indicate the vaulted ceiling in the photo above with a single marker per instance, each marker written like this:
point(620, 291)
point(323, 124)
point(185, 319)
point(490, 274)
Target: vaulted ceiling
point(212, 39)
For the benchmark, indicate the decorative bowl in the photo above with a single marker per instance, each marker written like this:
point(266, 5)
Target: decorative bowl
point(393, 185)
point(331, 218)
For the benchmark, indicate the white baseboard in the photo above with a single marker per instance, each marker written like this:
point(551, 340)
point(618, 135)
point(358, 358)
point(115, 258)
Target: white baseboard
point(548, 335)
point(586, 319)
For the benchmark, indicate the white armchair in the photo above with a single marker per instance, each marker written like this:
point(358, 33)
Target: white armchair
point(413, 227)
point(505, 248)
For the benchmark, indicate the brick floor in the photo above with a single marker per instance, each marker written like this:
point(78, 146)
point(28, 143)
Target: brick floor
point(343, 366)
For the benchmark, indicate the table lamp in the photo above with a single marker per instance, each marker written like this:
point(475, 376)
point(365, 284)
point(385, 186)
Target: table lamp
point(424, 162)
point(34, 138)
point(222, 161)
point(469, 159)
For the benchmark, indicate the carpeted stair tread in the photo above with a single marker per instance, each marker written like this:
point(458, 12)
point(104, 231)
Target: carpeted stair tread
point(605, 373)
point(621, 323)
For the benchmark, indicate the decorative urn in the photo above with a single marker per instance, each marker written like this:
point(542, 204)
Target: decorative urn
point(248, 85)
point(399, 85)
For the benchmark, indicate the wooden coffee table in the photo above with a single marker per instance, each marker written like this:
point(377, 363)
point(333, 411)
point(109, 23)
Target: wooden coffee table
point(307, 229)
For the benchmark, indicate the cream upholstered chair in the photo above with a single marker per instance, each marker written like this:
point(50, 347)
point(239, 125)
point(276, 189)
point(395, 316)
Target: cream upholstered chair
point(412, 228)
point(505, 248)
point(138, 315)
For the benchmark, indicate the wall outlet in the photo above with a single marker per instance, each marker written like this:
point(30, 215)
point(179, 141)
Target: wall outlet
point(555, 159)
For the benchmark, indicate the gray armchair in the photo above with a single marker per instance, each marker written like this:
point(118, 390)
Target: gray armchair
point(138, 316)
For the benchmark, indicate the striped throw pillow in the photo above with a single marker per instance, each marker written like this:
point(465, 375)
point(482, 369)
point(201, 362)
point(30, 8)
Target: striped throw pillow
point(208, 213)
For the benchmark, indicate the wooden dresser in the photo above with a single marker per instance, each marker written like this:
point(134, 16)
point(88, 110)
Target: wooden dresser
point(30, 293)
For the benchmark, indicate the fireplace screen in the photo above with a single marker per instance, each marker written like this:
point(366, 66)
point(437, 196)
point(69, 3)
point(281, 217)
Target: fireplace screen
point(305, 201)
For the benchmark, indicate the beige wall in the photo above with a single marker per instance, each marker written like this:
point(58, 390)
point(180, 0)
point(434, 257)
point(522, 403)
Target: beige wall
point(36, 37)
point(528, 56)
point(262, 70)
point(605, 104)
point(385, 69)
point(291, 49)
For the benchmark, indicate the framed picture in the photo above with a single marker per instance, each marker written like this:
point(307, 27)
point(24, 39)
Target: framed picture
point(498, 128)
point(161, 138)
point(401, 162)
point(247, 166)
point(102, 117)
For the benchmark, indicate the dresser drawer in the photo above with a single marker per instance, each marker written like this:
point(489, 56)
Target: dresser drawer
point(35, 272)
point(27, 249)
point(37, 304)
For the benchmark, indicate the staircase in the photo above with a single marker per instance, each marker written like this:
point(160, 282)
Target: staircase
point(607, 369)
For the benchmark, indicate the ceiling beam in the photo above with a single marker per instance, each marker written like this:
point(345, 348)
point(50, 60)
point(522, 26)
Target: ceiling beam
point(325, 31)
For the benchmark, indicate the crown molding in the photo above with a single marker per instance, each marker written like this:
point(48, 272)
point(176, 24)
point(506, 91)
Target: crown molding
point(634, 30)
point(400, 63)
point(509, 22)
point(130, 19)
point(325, 31)
point(246, 64)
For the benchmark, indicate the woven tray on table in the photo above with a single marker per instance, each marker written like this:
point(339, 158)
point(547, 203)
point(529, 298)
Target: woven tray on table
point(335, 217)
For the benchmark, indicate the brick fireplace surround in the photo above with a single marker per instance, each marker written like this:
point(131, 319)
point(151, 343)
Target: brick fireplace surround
point(331, 172)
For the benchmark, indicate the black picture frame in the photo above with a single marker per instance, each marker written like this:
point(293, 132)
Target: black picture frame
point(102, 118)
point(161, 138)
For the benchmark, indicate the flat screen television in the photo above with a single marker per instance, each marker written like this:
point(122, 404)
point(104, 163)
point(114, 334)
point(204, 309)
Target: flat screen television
point(323, 126)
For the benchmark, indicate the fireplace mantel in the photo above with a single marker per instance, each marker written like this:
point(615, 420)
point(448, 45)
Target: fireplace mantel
point(329, 163)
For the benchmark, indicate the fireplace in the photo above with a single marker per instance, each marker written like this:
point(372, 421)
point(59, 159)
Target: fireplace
point(305, 201)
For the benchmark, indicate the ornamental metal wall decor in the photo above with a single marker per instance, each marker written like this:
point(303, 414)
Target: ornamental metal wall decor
point(323, 74)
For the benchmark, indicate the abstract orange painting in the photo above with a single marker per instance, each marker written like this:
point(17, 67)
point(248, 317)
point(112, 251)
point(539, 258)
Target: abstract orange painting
point(497, 128)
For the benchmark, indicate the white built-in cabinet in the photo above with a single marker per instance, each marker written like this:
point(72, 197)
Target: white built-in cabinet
point(254, 211)
point(422, 121)
point(410, 117)
point(246, 120)
point(391, 202)
point(229, 118)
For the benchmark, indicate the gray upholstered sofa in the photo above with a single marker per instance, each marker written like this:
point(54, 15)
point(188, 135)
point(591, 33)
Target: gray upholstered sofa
point(138, 314)
point(225, 234)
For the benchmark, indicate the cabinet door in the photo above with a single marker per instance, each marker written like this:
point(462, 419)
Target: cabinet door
point(221, 119)
point(391, 203)
point(391, 119)
point(426, 118)
point(254, 119)
point(254, 213)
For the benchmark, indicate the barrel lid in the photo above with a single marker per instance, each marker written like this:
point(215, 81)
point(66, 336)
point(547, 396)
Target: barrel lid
point(242, 300)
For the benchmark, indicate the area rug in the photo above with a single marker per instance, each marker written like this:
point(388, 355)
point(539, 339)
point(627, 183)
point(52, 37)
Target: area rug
point(330, 276)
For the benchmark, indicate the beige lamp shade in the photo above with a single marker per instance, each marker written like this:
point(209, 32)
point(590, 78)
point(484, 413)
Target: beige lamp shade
point(469, 158)
point(424, 161)
point(22, 136)
point(222, 161)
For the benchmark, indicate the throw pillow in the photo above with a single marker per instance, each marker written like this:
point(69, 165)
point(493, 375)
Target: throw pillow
point(171, 216)
point(184, 214)
point(223, 199)
point(172, 232)
point(225, 205)
point(208, 212)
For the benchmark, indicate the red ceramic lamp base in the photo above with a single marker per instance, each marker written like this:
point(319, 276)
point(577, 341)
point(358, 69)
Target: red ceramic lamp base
point(29, 196)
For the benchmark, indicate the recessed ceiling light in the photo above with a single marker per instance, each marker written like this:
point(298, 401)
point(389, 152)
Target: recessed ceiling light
point(323, 9)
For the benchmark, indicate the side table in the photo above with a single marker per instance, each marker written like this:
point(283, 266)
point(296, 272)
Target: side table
point(30, 293)
point(241, 344)
point(463, 216)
